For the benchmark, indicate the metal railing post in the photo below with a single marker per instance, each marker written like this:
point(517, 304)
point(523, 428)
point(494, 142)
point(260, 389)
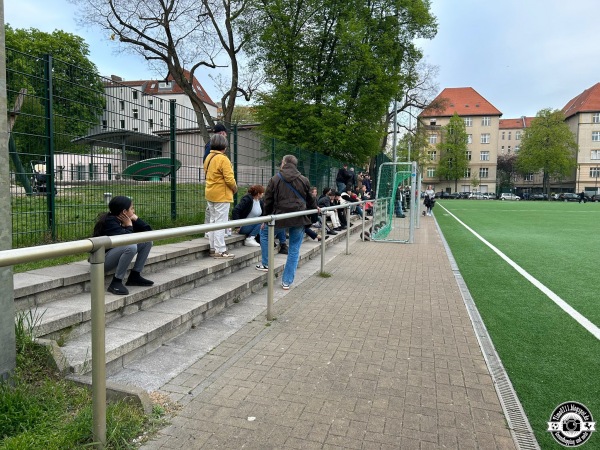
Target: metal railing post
point(173, 155)
point(348, 230)
point(98, 347)
point(271, 273)
point(323, 237)
point(364, 214)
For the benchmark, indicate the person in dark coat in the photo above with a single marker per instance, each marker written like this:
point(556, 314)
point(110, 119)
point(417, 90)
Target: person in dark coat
point(122, 219)
point(288, 191)
point(343, 177)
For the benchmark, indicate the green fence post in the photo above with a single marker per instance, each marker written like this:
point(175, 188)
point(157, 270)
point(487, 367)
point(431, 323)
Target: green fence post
point(49, 129)
point(235, 159)
point(272, 157)
point(173, 149)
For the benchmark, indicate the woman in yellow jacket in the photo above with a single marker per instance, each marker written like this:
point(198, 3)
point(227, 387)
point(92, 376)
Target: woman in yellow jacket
point(220, 187)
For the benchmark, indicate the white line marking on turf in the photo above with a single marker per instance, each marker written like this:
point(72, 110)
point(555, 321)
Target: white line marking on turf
point(582, 320)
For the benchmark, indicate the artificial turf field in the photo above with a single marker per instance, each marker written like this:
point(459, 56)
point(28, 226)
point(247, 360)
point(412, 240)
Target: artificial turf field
point(549, 357)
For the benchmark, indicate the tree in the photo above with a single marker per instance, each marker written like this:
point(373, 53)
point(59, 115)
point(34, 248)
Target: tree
point(182, 36)
point(78, 98)
point(334, 67)
point(506, 169)
point(549, 146)
point(453, 151)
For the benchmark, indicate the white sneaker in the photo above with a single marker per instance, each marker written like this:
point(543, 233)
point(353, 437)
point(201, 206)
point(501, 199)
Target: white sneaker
point(251, 242)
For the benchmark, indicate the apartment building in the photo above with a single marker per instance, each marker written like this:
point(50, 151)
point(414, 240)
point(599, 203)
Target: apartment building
point(482, 126)
point(582, 114)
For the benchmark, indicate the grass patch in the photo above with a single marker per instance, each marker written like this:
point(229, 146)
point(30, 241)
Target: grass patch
point(40, 410)
point(549, 357)
point(325, 275)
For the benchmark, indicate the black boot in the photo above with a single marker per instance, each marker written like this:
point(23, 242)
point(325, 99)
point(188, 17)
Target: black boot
point(136, 279)
point(283, 249)
point(116, 287)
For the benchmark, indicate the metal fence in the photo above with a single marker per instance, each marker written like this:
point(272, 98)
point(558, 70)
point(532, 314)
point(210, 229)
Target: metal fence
point(76, 139)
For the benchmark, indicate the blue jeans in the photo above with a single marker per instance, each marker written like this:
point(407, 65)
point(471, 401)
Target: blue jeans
point(296, 238)
point(250, 230)
point(341, 187)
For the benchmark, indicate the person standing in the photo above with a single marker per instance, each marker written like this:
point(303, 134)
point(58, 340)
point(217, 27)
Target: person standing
point(122, 219)
point(288, 191)
point(429, 199)
point(582, 197)
point(342, 178)
point(220, 187)
point(219, 128)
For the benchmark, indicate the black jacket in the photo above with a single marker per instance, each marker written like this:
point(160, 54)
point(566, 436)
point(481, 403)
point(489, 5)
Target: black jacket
point(243, 208)
point(281, 198)
point(344, 176)
point(112, 227)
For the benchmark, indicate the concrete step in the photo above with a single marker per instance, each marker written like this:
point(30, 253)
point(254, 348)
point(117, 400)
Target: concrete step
point(189, 287)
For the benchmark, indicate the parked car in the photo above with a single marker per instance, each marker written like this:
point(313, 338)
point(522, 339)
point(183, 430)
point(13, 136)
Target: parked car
point(479, 196)
point(455, 195)
point(595, 198)
point(509, 196)
point(569, 197)
point(464, 194)
point(442, 195)
point(538, 197)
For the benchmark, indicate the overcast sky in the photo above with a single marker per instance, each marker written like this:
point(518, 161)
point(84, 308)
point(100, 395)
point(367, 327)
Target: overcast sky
point(521, 55)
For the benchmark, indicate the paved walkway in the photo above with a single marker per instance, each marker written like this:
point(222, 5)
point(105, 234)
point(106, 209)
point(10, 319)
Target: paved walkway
point(381, 355)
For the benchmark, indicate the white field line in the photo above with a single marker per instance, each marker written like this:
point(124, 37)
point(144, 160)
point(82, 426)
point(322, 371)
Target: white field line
point(582, 320)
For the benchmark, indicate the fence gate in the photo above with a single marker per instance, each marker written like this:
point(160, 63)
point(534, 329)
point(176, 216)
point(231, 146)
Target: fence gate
point(395, 214)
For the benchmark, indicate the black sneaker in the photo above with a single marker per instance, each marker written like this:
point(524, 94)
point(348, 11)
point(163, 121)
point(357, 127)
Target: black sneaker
point(138, 281)
point(283, 250)
point(117, 288)
point(331, 233)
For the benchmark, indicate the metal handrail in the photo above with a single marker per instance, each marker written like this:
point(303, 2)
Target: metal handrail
point(97, 246)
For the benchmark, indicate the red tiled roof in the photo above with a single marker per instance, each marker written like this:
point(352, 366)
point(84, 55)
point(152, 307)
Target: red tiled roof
point(464, 101)
point(521, 122)
point(150, 87)
point(587, 101)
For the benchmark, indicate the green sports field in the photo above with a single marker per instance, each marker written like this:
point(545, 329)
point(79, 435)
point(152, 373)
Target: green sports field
point(550, 358)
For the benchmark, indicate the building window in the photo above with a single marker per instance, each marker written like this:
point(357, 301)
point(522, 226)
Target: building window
point(469, 155)
point(432, 155)
point(161, 122)
point(150, 103)
point(122, 124)
point(503, 135)
point(485, 138)
point(509, 149)
point(430, 172)
point(104, 125)
point(528, 177)
point(468, 121)
point(160, 104)
point(517, 148)
point(596, 136)
point(122, 105)
point(135, 94)
point(135, 114)
point(469, 138)
point(594, 172)
point(518, 135)
point(433, 138)
point(483, 172)
point(432, 122)
point(484, 156)
point(150, 123)
point(595, 154)
point(486, 121)
point(468, 172)
point(596, 118)
point(509, 133)
point(135, 129)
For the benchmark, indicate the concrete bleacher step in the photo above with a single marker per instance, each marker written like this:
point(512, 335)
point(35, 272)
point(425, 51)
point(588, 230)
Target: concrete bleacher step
point(189, 287)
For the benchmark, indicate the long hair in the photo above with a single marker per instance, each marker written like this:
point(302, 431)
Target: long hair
point(115, 207)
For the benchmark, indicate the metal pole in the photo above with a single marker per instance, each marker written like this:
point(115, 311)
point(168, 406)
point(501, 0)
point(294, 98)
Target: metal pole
point(395, 138)
point(364, 214)
point(271, 273)
point(173, 154)
point(323, 235)
point(347, 230)
point(98, 348)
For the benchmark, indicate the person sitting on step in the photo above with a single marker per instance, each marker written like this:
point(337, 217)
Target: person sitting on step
point(122, 219)
point(252, 205)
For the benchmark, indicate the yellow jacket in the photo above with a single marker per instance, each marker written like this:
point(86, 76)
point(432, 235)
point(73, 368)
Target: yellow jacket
point(220, 181)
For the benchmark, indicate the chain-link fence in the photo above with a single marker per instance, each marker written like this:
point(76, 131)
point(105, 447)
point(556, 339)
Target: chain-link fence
point(77, 139)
